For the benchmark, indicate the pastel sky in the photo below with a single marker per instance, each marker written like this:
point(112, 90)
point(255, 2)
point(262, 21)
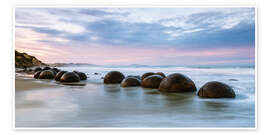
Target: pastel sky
point(123, 36)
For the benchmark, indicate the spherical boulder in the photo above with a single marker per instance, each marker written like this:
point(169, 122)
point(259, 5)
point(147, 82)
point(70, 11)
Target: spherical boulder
point(70, 77)
point(152, 81)
point(147, 74)
point(135, 76)
point(177, 83)
point(56, 70)
point(130, 82)
point(46, 68)
point(216, 89)
point(37, 69)
point(36, 75)
point(59, 75)
point(47, 74)
point(160, 73)
point(81, 75)
point(113, 77)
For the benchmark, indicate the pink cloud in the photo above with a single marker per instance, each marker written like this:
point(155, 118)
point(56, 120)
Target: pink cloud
point(29, 41)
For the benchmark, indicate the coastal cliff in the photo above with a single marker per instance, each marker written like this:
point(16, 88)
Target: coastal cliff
point(24, 60)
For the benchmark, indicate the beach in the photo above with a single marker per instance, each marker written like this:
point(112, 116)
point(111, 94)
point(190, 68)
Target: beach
point(45, 103)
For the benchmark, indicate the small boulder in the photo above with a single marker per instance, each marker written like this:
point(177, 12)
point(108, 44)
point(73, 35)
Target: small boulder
point(81, 75)
point(147, 74)
point(70, 77)
point(130, 82)
point(216, 89)
point(56, 70)
point(152, 81)
point(37, 69)
point(97, 73)
point(59, 75)
point(135, 76)
point(47, 74)
point(36, 75)
point(113, 77)
point(46, 68)
point(162, 74)
point(177, 83)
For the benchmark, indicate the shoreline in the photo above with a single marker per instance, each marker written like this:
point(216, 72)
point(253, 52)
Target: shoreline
point(22, 84)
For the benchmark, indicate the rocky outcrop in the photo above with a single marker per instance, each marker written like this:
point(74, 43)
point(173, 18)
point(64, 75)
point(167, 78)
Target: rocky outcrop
point(23, 60)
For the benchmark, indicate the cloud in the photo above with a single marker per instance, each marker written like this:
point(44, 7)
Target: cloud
point(208, 21)
point(201, 29)
point(133, 25)
point(44, 19)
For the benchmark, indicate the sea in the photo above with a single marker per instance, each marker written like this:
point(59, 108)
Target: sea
point(98, 105)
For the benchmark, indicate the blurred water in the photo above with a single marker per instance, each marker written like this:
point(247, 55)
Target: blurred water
point(99, 105)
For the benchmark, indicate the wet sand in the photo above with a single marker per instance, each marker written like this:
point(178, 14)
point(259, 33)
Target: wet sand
point(46, 104)
point(30, 84)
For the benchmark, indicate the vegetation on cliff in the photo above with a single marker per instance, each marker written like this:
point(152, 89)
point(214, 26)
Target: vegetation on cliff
point(23, 60)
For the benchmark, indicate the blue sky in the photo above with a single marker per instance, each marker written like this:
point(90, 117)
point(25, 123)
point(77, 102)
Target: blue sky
point(155, 36)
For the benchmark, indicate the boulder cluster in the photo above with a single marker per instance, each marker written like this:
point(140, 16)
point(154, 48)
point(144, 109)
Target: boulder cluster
point(173, 83)
point(57, 74)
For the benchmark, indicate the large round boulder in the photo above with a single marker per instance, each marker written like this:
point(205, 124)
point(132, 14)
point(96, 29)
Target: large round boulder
point(177, 83)
point(130, 82)
point(59, 75)
point(81, 75)
point(47, 74)
point(147, 74)
point(216, 89)
point(36, 75)
point(113, 77)
point(152, 81)
point(70, 77)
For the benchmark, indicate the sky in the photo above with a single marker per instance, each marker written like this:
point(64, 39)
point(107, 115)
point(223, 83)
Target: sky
point(149, 36)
